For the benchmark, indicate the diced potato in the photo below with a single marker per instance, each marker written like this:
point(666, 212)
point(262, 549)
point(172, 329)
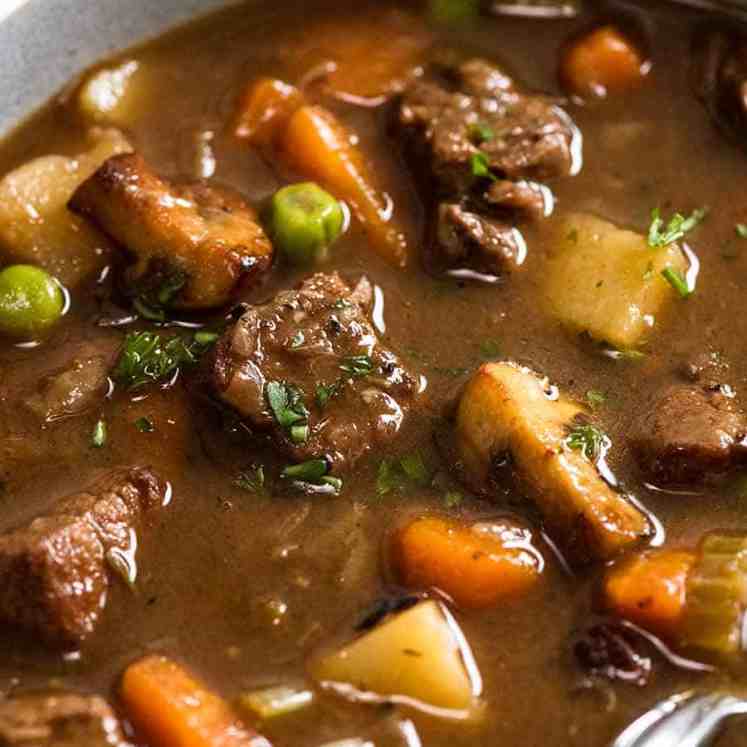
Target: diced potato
point(109, 96)
point(505, 409)
point(419, 657)
point(35, 225)
point(607, 281)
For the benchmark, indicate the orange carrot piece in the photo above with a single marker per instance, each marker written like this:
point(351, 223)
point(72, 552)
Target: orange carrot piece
point(172, 709)
point(476, 566)
point(263, 110)
point(319, 147)
point(650, 590)
point(602, 62)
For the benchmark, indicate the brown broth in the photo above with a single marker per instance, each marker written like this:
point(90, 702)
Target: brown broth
point(221, 554)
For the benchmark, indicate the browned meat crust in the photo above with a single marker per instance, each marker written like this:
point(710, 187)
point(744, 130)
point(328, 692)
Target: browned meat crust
point(54, 572)
point(477, 112)
point(58, 720)
point(689, 432)
point(193, 244)
point(316, 338)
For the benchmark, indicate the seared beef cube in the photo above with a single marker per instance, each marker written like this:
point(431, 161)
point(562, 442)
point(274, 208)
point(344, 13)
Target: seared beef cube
point(521, 136)
point(526, 199)
point(483, 243)
point(691, 431)
point(483, 143)
point(193, 244)
point(58, 720)
point(308, 368)
point(55, 571)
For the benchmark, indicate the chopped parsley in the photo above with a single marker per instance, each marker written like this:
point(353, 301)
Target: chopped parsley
point(480, 167)
point(287, 404)
point(480, 133)
point(414, 467)
point(490, 349)
point(649, 274)
point(98, 437)
point(396, 473)
point(660, 235)
point(313, 473)
point(595, 398)
point(326, 392)
point(251, 479)
point(145, 425)
point(741, 230)
point(677, 281)
point(357, 366)
point(151, 304)
point(453, 498)
point(588, 439)
point(572, 236)
point(148, 358)
point(297, 340)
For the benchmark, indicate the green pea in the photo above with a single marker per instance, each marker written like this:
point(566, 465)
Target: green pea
point(31, 300)
point(304, 221)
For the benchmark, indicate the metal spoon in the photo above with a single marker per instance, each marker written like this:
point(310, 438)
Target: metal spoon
point(689, 719)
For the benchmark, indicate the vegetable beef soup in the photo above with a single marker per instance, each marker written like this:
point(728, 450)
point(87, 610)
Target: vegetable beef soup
point(374, 374)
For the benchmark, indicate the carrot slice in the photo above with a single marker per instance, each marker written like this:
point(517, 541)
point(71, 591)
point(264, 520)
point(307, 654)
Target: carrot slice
point(263, 109)
point(319, 147)
point(650, 590)
point(602, 62)
point(172, 709)
point(475, 565)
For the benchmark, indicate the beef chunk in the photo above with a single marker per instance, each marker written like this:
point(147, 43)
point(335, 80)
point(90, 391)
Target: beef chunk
point(476, 112)
point(522, 136)
point(690, 431)
point(72, 390)
point(58, 720)
point(316, 347)
point(193, 244)
point(55, 571)
point(483, 243)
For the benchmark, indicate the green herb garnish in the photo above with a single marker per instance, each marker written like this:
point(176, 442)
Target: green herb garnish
point(660, 235)
point(453, 11)
point(313, 472)
point(326, 392)
point(297, 340)
point(252, 479)
point(145, 425)
point(396, 473)
point(357, 366)
point(741, 230)
point(480, 133)
point(480, 167)
point(490, 349)
point(148, 358)
point(453, 498)
point(588, 439)
point(595, 398)
point(572, 236)
point(287, 404)
point(414, 467)
point(98, 437)
point(677, 281)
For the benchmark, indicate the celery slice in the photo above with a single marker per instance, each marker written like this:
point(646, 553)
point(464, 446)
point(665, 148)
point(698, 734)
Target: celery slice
point(275, 701)
point(717, 595)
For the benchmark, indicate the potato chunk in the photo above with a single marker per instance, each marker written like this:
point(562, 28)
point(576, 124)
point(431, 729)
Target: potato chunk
point(35, 225)
point(419, 657)
point(505, 409)
point(193, 244)
point(607, 281)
